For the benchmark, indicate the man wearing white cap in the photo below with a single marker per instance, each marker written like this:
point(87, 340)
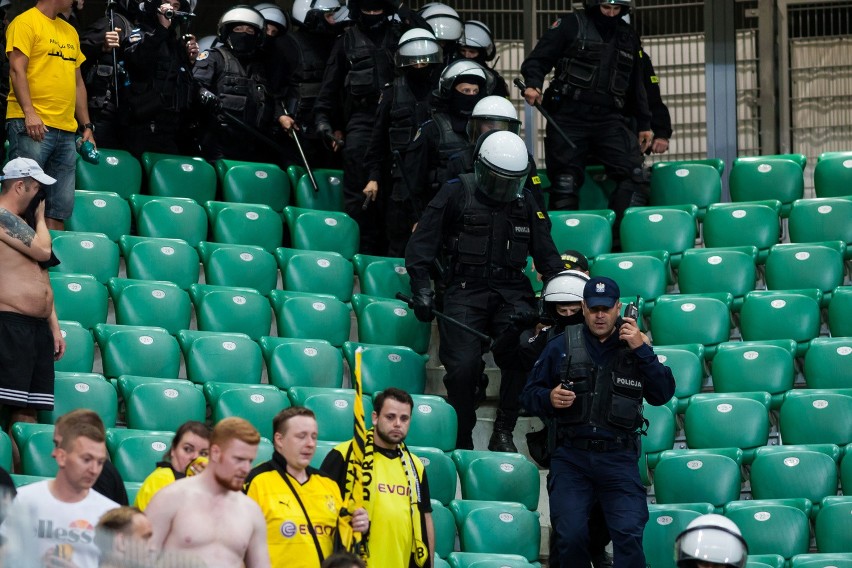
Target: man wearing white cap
point(30, 340)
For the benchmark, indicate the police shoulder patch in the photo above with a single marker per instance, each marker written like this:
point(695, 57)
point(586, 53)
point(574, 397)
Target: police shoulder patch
point(655, 79)
point(536, 180)
point(203, 55)
point(556, 23)
point(540, 215)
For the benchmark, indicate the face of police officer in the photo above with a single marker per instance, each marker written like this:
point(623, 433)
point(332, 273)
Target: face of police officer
point(610, 10)
point(391, 423)
point(601, 320)
point(298, 441)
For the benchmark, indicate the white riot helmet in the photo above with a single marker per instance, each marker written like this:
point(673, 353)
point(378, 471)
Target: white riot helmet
point(310, 12)
point(418, 46)
point(457, 70)
point(444, 21)
point(237, 15)
point(207, 42)
point(711, 538)
point(477, 35)
point(501, 165)
point(493, 113)
point(273, 14)
point(565, 288)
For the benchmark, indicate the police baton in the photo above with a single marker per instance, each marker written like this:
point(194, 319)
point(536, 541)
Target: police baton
point(111, 14)
point(520, 84)
point(295, 137)
point(485, 338)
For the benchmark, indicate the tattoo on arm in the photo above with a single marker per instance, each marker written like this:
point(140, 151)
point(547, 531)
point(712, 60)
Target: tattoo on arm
point(16, 228)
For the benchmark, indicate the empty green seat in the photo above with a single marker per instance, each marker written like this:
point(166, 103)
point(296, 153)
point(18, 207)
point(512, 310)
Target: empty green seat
point(37, 454)
point(687, 365)
point(445, 525)
point(256, 403)
point(243, 266)
point(833, 176)
point(172, 260)
point(245, 224)
point(100, 211)
point(726, 421)
point(126, 383)
point(811, 265)
point(837, 560)
point(696, 477)
point(150, 303)
point(82, 390)
point(497, 476)
point(833, 526)
point(117, 171)
point(717, 163)
point(659, 228)
point(159, 406)
point(692, 318)
point(780, 315)
point(814, 417)
point(661, 432)
point(6, 451)
point(588, 233)
point(828, 363)
point(436, 423)
point(441, 471)
point(221, 357)
point(487, 560)
point(839, 309)
point(137, 456)
point(755, 366)
point(495, 530)
point(294, 173)
point(169, 218)
point(329, 193)
point(381, 276)
point(182, 177)
point(718, 270)
point(770, 528)
point(231, 310)
point(820, 220)
point(315, 271)
point(384, 321)
point(665, 523)
point(308, 316)
point(743, 224)
point(333, 409)
point(696, 184)
point(302, 362)
point(757, 178)
point(794, 472)
point(79, 349)
point(266, 184)
point(636, 274)
point(384, 366)
point(322, 230)
point(132, 350)
point(86, 253)
point(80, 298)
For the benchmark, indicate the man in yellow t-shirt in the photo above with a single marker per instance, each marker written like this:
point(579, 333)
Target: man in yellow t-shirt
point(46, 92)
point(396, 491)
point(302, 506)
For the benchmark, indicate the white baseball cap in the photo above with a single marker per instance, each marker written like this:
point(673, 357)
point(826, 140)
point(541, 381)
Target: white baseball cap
point(25, 167)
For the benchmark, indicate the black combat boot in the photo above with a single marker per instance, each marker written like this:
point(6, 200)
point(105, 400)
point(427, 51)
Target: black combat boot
point(501, 437)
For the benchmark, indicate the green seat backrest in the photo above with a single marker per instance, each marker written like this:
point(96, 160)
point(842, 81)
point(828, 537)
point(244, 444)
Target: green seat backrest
point(588, 233)
point(117, 171)
point(306, 316)
point(256, 183)
point(80, 298)
point(242, 266)
point(100, 211)
point(302, 362)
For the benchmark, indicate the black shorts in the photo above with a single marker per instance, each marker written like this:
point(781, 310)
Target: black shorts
point(26, 362)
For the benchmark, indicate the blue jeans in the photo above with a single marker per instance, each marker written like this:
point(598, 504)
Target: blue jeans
point(57, 155)
point(579, 477)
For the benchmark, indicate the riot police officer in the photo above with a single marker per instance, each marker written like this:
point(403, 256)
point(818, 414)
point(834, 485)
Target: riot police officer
point(487, 224)
point(477, 43)
point(589, 384)
point(596, 89)
point(232, 79)
point(446, 26)
point(403, 107)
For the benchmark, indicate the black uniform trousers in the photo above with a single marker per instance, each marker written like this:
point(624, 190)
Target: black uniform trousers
point(371, 223)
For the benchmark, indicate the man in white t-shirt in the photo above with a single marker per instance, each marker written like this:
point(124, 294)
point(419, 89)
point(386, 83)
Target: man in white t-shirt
point(53, 521)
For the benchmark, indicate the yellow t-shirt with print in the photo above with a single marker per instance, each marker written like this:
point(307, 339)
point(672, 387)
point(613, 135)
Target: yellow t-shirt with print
point(53, 49)
point(159, 478)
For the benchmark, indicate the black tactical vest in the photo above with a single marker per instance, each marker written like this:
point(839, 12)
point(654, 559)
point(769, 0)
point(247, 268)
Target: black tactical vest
point(243, 90)
point(450, 143)
point(98, 74)
point(312, 52)
point(596, 72)
point(370, 66)
point(406, 114)
point(490, 242)
point(608, 396)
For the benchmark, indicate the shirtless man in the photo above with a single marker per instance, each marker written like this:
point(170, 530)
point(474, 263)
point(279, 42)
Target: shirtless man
point(206, 515)
point(30, 340)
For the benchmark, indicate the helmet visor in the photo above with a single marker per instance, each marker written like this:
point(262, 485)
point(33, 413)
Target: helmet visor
point(479, 125)
point(499, 186)
point(418, 51)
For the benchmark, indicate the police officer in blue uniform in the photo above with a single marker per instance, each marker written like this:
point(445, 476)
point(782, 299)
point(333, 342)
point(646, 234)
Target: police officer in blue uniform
point(589, 384)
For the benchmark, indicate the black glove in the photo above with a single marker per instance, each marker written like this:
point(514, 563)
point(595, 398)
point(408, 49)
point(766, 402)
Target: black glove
point(525, 320)
point(423, 302)
point(209, 100)
point(324, 129)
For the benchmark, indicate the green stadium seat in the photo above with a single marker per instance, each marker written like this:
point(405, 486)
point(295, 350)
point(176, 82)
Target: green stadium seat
point(79, 349)
point(839, 309)
point(665, 523)
point(755, 366)
point(765, 561)
point(495, 530)
point(126, 383)
point(661, 432)
point(132, 489)
point(380, 276)
point(115, 436)
point(497, 476)
point(302, 362)
point(171, 260)
point(767, 315)
point(242, 266)
point(435, 423)
point(743, 224)
point(659, 228)
point(687, 365)
point(315, 271)
point(328, 196)
point(696, 477)
point(586, 232)
point(266, 184)
point(80, 298)
point(323, 449)
point(322, 230)
point(169, 218)
point(765, 177)
point(811, 265)
point(698, 184)
point(23, 431)
point(813, 417)
point(843, 560)
point(245, 224)
point(148, 159)
point(256, 403)
point(529, 271)
point(833, 525)
point(220, 357)
point(158, 406)
point(265, 449)
point(445, 527)
point(231, 310)
point(799, 159)
point(85, 253)
point(637, 275)
point(692, 318)
point(82, 390)
point(118, 171)
point(833, 176)
point(716, 163)
point(309, 316)
point(727, 421)
point(770, 528)
point(441, 471)
point(794, 472)
point(828, 363)
point(333, 409)
point(461, 508)
point(383, 321)
point(150, 303)
point(294, 173)
point(820, 220)
point(137, 456)
point(384, 366)
point(37, 454)
point(182, 177)
point(5, 451)
point(717, 270)
point(132, 350)
point(20, 479)
point(487, 560)
point(100, 212)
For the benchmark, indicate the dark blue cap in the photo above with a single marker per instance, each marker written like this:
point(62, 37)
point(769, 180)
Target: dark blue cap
point(601, 291)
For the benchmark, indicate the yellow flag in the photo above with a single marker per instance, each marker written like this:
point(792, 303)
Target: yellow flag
point(356, 498)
